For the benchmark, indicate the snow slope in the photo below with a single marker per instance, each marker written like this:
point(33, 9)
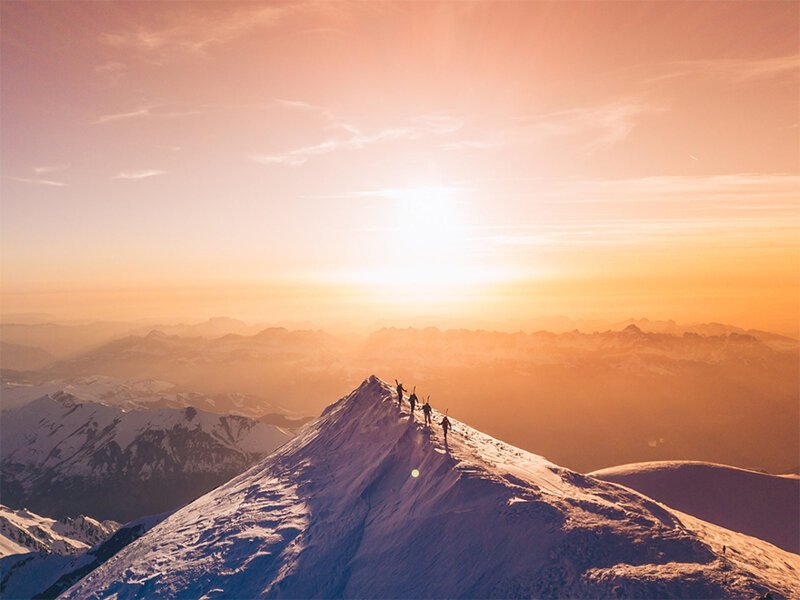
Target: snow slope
point(22, 531)
point(46, 575)
point(758, 504)
point(337, 513)
point(57, 452)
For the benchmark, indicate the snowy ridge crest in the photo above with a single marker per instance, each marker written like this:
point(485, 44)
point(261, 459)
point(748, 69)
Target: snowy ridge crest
point(22, 531)
point(336, 513)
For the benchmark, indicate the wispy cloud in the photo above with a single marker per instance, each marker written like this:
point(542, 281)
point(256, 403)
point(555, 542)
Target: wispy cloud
point(300, 105)
point(472, 145)
point(605, 125)
point(112, 71)
point(143, 112)
point(434, 191)
point(717, 233)
point(757, 208)
point(47, 182)
point(49, 168)
point(737, 70)
point(42, 170)
point(593, 127)
point(142, 174)
point(139, 112)
point(110, 67)
point(300, 156)
point(356, 139)
point(735, 189)
point(195, 34)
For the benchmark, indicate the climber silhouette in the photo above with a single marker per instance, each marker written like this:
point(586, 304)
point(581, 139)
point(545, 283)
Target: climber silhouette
point(426, 410)
point(400, 390)
point(445, 427)
point(412, 400)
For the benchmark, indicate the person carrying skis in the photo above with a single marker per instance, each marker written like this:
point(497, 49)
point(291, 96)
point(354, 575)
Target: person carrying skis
point(400, 390)
point(445, 427)
point(426, 410)
point(412, 399)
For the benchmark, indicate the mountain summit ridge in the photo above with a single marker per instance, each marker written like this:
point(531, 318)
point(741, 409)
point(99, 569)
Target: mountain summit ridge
point(336, 512)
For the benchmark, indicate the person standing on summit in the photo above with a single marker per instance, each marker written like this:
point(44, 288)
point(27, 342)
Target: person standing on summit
point(400, 390)
point(412, 400)
point(426, 410)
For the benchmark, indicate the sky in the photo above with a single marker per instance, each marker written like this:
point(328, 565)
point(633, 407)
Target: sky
point(351, 162)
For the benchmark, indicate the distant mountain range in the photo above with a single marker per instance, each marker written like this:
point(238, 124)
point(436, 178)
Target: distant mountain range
point(66, 339)
point(64, 457)
point(142, 394)
point(20, 357)
point(564, 394)
point(29, 340)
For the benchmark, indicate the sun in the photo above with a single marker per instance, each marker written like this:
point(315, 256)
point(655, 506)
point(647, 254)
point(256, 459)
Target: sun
point(428, 220)
point(428, 236)
point(426, 252)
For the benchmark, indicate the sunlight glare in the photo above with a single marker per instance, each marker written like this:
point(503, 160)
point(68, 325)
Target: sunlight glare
point(427, 244)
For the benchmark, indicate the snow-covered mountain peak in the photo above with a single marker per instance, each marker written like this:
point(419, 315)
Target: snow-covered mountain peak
point(57, 451)
point(368, 501)
point(369, 419)
point(65, 399)
point(373, 393)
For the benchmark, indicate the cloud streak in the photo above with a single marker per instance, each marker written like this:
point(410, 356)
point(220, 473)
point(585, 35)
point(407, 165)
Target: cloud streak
point(732, 188)
point(46, 182)
point(139, 112)
point(594, 127)
point(49, 169)
point(736, 70)
point(395, 193)
point(142, 174)
point(745, 207)
point(196, 34)
point(356, 139)
point(144, 112)
point(607, 125)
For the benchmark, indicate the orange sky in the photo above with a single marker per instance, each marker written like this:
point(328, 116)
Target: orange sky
point(354, 161)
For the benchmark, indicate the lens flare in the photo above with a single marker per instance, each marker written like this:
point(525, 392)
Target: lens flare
point(415, 473)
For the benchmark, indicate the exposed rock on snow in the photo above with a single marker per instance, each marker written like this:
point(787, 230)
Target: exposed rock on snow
point(336, 513)
point(43, 575)
point(22, 531)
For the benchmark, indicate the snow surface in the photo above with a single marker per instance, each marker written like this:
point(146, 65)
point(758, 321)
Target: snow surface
point(8, 546)
point(336, 513)
point(758, 504)
point(46, 575)
point(22, 531)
